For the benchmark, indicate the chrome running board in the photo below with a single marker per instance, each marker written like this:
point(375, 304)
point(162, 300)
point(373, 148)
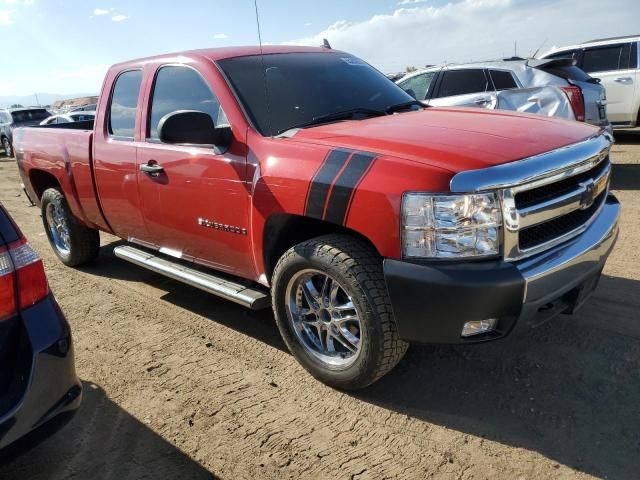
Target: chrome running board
point(252, 298)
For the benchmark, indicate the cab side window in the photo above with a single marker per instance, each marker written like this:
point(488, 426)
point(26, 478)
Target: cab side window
point(182, 88)
point(607, 58)
point(462, 82)
point(124, 103)
point(503, 80)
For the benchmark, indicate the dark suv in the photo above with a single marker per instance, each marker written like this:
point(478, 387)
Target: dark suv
point(39, 388)
point(18, 117)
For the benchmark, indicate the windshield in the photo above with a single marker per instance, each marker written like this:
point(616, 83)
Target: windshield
point(22, 116)
point(305, 86)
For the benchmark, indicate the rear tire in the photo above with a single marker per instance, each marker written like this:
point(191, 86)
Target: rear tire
point(359, 352)
point(73, 243)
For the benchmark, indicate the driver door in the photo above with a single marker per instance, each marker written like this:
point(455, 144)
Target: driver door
point(200, 189)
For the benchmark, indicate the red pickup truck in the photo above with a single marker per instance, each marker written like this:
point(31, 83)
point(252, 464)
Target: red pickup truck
point(304, 179)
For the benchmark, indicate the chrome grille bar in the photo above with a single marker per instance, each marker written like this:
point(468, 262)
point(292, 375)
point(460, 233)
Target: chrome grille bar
point(567, 203)
point(556, 170)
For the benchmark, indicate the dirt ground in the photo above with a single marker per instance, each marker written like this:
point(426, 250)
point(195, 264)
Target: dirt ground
point(183, 385)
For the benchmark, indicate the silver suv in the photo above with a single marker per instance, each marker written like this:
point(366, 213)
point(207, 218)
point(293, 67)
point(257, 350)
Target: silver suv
point(553, 87)
point(616, 62)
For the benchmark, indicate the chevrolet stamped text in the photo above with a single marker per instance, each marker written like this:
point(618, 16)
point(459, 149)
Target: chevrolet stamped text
point(303, 179)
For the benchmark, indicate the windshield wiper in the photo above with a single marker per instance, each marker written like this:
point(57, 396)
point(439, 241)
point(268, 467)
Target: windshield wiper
point(344, 115)
point(403, 106)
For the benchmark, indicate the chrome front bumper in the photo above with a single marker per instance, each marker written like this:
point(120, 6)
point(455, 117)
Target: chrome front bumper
point(550, 275)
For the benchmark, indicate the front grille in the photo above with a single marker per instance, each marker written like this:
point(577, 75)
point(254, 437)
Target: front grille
point(531, 237)
point(541, 194)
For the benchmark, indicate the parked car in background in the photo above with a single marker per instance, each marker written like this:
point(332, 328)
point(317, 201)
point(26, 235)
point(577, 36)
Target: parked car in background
point(302, 179)
point(85, 108)
point(18, 117)
point(39, 389)
point(547, 87)
point(616, 62)
point(69, 117)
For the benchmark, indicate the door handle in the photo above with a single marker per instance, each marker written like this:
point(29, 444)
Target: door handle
point(624, 80)
point(482, 101)
point(152, 168)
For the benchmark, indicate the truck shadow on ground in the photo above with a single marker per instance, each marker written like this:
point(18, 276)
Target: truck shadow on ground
point(256, 324)
point(567, 390)
point(103, 441)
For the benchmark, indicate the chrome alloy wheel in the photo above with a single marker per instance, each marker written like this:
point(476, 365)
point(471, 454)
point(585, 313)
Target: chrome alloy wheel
point(58, 228)
point(324, 318)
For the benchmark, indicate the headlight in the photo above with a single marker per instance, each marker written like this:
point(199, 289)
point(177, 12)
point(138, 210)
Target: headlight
point(450, 226)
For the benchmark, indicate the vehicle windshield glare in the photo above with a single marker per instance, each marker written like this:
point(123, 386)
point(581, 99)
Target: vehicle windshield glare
point(303, 89)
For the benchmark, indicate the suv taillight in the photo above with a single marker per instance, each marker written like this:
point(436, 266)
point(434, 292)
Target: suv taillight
point(22, 278)
point(574, 94)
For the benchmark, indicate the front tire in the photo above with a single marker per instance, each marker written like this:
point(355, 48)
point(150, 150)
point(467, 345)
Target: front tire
point(333, 311)
point(74, 244)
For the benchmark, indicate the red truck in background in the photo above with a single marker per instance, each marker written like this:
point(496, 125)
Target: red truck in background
point(304, 179)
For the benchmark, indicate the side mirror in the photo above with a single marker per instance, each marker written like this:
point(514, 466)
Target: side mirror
point(193, 127)
point(411, 92)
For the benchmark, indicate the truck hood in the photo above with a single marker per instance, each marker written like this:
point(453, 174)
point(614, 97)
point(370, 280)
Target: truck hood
point(455, 139)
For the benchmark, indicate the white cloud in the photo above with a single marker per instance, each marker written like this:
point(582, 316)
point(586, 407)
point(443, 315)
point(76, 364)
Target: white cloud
point(28, 2)
point(220, 36)
point(5, 17)
point(410, 2)
point(307, 24)
point(100, 11)
point(465, 30)
point(119, 18)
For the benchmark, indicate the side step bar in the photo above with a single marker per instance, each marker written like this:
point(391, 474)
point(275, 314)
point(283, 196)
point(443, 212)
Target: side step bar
point(252, 298)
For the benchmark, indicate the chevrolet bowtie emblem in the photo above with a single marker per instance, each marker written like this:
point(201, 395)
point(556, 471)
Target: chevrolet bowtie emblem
point(589, 195)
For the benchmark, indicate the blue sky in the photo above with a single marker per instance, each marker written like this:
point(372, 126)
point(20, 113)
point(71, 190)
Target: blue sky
point(64, 46)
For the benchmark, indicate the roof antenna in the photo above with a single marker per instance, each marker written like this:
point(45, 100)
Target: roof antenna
point(326, 44)
point(264, 69)
point(541, 45)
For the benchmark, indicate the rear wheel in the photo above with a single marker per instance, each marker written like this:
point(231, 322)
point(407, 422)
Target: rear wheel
point(74, 244)
point(333, 311)
point(8, 148)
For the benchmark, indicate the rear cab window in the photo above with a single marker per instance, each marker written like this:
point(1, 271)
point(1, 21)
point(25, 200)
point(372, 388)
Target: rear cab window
point(462, 82)
point(181, 88)
point(123, 106)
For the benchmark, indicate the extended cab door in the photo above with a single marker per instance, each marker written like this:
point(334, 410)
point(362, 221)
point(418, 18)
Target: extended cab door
point(617, 68)
point(114, 155)
point(196, 208)
point(464, 87)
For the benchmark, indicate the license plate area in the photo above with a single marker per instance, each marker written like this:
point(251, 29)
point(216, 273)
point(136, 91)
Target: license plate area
point(602, 112)
point(579, 295)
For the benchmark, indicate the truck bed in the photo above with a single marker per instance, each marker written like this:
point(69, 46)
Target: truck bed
point(60, 154)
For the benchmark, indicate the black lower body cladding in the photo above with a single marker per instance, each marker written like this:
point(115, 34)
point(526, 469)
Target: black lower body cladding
point(432, 302)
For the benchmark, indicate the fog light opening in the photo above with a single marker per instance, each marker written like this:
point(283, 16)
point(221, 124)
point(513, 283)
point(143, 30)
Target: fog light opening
point(478, 327)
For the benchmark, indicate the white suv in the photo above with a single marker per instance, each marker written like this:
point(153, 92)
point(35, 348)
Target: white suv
point(616, 62)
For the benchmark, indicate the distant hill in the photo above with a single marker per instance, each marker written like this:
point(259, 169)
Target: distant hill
point(44, 99)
